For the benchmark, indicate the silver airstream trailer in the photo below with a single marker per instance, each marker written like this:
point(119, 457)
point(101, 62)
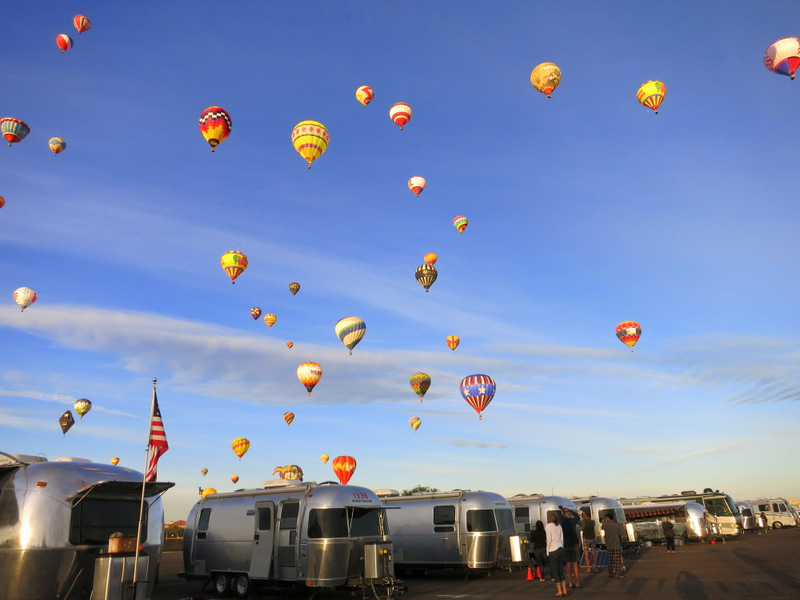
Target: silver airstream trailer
point(58, 519)
point(289, 532)
point(529, 508)
point(598, 508)
point(457, 529)
point(691, 521)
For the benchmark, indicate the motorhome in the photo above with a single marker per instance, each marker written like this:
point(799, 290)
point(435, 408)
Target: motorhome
point(62, 522)
point(599, 508)
point(719, 504)
point(456, 529)
point(691, 521)
point(778, 511)
point(289, 532)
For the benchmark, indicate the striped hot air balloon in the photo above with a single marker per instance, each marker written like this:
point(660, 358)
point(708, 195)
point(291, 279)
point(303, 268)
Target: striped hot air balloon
point(240, 447)
point(365, 94)
point(460, 223)
point(478, 391)
point(415, 422)
point(13, 129)
point(310, 139)
point(426, 274)
point(215, 125)
point(400, 113)
point(350, 330)
point(270, 319)
point(288, 417)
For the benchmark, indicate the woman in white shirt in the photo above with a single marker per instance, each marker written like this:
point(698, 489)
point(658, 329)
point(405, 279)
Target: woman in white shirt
point(555, 551)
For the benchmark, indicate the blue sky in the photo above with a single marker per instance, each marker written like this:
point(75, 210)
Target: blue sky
point(584, 210)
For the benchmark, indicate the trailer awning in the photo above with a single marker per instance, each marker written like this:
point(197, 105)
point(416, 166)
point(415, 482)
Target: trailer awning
point(122, 489)
point(651, 510)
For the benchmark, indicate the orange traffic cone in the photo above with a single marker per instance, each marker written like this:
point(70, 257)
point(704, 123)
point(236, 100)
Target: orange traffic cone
point(530, 575)
point(538, 572)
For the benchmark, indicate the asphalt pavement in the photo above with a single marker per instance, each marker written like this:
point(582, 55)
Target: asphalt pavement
point(753, 566)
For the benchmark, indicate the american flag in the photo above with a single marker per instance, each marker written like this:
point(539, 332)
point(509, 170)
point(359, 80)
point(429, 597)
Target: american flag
point(157, 440)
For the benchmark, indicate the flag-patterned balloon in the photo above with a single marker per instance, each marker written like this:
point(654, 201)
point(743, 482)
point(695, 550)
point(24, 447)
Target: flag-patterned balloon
point(420, 383)
point(309, 374)
point(240, 447)
point(628, 333)
point(478, 391)
point(215, 125)
point(365, 94)
point(400, 113)
point(350, 330)
point(344, 467)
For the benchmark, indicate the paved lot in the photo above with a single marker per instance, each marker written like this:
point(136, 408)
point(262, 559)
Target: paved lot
point(755, 566)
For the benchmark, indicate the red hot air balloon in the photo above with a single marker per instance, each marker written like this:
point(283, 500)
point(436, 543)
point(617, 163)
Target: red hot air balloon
point(628, 333)
point(452, 342)
point(344, 467)
point(64, 42)
point(400, 113)
point(81, 23)
point(215, 125)
point(234, 478)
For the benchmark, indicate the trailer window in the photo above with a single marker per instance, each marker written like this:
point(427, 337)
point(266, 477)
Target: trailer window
point(289, 512)
point(94, 520)
point(606, 512)
point(444, 515)
point(504, 519)
point(522, 518)
point(202, 522)
point(481, 520)
point(327, 523)
point(364, 521)
point(264, 518)
point(747, 512)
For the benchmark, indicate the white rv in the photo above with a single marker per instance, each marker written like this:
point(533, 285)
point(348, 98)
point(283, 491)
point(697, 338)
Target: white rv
point(456, 529)
point(779, 512)
point(289, 532)
point(56, 522)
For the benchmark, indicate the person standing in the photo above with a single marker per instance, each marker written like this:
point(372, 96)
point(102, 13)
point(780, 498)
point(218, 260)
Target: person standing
point(669, 534)
point(569, 523)
point(762, 521)
point(588, 535)
point(538, 539)
point(555, 551)
point(613, 534)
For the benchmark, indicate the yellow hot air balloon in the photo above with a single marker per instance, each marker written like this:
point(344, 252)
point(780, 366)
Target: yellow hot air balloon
point(270, 319)
point(309, 374)
point(234, 478)
point(57, 145)
point(365, 94)
point(651, 94)
point(234, 263)
point(324, 458)
point(310, 139)
point(288, 417)
point(545, 78)
point(240, 447)
point(431, 258)
point(208, 491)
point(115, 461)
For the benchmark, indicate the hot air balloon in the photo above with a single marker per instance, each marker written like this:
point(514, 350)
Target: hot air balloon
point(57, 145)
point(66, 421)
point(294, 287)
point(310, 139)
point(416, 184)
point(64, 42)
point(270, 319)
point(288, 417)
point(255, 312)
point(420, 382)
point(426, 274)
point(783, 57)
point(293, 472)
point(82, 406)
point(350, 330)
point(415, 422)
point(309, 374)
point(2, 202)
point(13, 129)
point(204, 471)
point(24, 297)
point(452, 342)
point(289, 345)
point(215, 125)
point(628, 333)
point(431, 258)
point(115, 461)
point(344, 467)
point(234, 478)
point(324, 458)
point(400, 113)
point(478, 391)
point(460, 222)
point(207, 492)
point(365, 94)
point(651, 94)
point(545, 78)
point(240, 447)
point(234, 263)
point(81, 23)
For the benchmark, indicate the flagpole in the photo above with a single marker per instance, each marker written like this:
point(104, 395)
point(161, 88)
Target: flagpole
point(141, 501)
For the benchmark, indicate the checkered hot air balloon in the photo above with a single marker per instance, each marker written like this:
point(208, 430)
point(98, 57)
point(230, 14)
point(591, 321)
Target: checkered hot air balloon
point(628, 333)
point(215, 125)
point(478, 391)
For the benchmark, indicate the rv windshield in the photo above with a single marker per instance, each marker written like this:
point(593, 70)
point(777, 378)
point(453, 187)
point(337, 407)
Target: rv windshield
point(336, 522)
point(364, 521)
point(95, 519)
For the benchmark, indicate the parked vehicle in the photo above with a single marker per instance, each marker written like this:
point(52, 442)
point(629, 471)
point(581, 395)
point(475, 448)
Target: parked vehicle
point(719, 504)
point(749, 516)
point(599, 508)
point(779, 512)
point(318, 535)
point(457, 529)
point(56, 519)
point(691, 521)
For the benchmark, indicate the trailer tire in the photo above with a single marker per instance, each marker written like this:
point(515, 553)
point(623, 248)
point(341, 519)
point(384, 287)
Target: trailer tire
point(241, 586)
point(222, 584)
point(777, 525)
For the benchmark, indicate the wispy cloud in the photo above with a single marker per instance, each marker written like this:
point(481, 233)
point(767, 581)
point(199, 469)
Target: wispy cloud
point(724, 449)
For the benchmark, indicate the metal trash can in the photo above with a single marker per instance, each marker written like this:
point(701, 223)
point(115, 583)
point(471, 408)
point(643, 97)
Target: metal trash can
point(113, 578)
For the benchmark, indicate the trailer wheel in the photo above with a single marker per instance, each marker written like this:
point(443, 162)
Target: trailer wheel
point(241, 586)
point(777, 525)
point(222, 584)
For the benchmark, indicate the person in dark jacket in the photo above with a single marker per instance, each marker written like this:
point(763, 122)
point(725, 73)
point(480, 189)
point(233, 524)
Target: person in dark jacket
point(613, 534)
point(538, 540)
point(572, 545)
point(669, 534)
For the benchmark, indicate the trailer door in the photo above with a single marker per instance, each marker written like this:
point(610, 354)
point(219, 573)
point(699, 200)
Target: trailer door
point(263, 540)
